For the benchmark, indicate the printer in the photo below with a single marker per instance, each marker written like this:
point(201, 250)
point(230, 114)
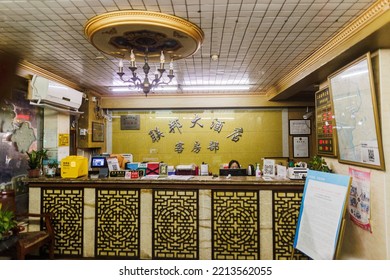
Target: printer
point(186, 169)
point(297, 173)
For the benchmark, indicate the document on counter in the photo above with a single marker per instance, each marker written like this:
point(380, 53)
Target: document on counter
point(267, 179)
point(150, 177)
point(171, 177)
point(180, 177)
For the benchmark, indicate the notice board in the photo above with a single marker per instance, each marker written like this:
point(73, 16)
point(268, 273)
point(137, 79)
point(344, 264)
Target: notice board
point(325, 134)
point(321, 218)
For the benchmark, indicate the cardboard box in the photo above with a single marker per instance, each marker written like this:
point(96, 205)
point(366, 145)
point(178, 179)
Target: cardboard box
point(74, 167)
point(152, 168)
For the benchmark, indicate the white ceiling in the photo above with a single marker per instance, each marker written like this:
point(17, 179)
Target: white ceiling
point(258, 41)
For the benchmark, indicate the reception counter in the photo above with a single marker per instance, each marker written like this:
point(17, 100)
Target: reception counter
point(175, 217)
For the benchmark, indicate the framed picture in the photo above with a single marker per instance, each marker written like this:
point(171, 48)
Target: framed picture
point(299, 127)
point(354, 103)
point(97, 132)
point(301, 146)
point(324, 121)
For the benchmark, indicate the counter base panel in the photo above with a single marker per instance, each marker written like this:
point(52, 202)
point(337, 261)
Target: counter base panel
point(171, 223)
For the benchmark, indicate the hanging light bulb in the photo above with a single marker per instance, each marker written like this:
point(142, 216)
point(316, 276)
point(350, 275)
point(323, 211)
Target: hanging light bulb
point(162, 60)
point(132, 59)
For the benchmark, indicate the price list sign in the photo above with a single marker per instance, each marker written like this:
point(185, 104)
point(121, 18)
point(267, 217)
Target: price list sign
point(325, 124)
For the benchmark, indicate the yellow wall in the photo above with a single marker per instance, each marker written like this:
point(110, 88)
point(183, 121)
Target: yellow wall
point(262, 136)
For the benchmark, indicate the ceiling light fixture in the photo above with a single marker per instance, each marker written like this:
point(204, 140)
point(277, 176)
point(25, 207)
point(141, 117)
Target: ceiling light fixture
point(131, 89)
point(145, 84)
point(215, 87)
point(150, 36)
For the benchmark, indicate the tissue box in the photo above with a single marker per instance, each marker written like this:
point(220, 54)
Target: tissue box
point(131, 165)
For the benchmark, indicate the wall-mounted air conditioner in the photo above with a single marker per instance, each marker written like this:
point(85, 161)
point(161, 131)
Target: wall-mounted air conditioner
point(46, 93)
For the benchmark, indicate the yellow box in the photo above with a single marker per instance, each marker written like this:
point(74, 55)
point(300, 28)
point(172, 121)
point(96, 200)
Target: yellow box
point(74, 167)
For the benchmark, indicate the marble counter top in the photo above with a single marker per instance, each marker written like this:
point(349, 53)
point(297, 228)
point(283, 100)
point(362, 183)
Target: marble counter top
point(170, 181)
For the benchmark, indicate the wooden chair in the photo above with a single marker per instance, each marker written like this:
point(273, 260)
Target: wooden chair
point(30, 241)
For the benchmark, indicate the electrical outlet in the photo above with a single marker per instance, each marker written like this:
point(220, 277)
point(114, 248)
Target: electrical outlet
point(83, 131)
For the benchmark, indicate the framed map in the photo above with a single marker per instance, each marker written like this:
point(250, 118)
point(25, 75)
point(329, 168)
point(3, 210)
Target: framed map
point(356, 115)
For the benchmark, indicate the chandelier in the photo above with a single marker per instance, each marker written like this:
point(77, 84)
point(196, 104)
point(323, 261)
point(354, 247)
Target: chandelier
point(144, 83)
point(132, 35)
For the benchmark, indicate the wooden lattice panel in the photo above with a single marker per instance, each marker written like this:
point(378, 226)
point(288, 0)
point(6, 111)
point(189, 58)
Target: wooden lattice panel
point(67, 206)
point(117, 228)
point(235, 225)
point(175, 224)
point(286, 207)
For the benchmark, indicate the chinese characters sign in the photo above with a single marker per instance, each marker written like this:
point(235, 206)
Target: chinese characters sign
point(325, 124)
point(175, 125)
point(155, 134)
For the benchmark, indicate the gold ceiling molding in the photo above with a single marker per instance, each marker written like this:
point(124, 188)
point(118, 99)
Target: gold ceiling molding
point(26, 69)
point(373, 13)
point(116, 33)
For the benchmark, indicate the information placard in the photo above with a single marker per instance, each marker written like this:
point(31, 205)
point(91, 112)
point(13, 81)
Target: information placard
point(301, 147)
point(321, 215)
point(326, 144)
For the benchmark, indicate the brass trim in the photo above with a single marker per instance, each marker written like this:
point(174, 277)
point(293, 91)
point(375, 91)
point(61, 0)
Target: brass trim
point(26, 69)
point(373, 13)
point(139, 17)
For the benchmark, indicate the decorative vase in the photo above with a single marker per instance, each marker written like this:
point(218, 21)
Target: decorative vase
point(51, 172)
point(7, 242)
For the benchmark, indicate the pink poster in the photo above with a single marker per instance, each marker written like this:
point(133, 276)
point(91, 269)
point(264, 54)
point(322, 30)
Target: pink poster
point(359, 198)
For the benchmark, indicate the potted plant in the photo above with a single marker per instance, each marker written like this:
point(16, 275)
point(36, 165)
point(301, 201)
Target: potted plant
point(318, 163)
point(51, 168)
point(35, 162)
point(7, 223)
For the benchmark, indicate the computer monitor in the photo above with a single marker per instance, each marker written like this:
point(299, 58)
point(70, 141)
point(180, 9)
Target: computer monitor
point(232, 172)
point(99, 162)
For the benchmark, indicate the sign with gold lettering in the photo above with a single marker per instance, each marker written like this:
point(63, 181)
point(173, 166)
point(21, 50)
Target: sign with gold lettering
point(325, 124)
point(130, 122)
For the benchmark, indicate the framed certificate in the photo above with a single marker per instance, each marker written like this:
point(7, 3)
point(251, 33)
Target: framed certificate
point(299, 127)
point(301, 146)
